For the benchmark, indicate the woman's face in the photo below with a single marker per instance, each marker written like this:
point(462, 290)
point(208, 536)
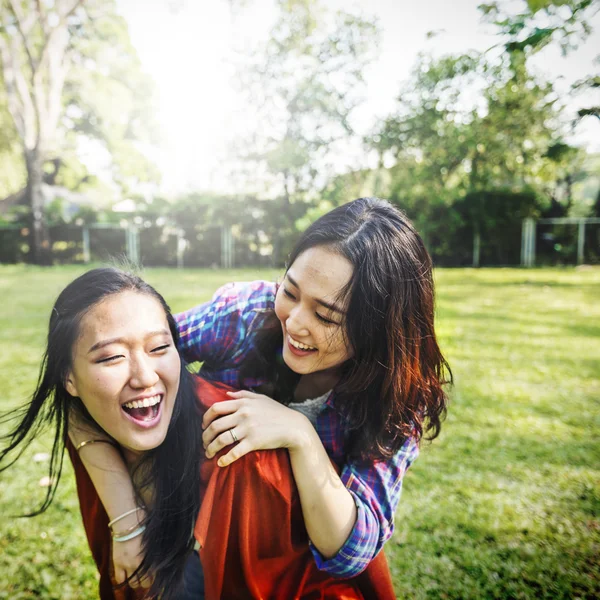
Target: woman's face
point(312, 318)
point(126, 369)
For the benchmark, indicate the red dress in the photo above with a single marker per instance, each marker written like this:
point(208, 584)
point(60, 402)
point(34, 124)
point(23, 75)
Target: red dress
point(251, 531)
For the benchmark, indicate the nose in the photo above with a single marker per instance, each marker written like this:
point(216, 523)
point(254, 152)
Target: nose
point(143, 374)
point(296, 322)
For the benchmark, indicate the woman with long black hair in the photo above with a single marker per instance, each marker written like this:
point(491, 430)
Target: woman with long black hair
point(112, 343)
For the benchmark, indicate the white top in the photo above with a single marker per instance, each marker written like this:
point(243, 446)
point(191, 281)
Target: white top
point(311, 408)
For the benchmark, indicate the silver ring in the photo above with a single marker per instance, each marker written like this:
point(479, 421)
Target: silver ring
point(232, 432)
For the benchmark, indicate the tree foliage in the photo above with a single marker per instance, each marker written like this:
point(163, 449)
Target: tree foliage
point(69, 73)
point(302, 86)
point(473, 146)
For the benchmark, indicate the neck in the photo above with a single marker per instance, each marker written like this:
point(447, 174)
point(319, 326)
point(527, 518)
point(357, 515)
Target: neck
point(132, 457)
point(316, 384)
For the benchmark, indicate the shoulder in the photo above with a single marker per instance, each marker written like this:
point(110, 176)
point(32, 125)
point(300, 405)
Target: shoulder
point(245, 296)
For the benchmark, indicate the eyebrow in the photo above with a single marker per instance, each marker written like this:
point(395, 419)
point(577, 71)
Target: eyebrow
point(328, 305)
point(104, 343)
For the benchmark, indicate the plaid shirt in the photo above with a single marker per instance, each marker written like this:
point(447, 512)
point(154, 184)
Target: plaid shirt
point(219, 333)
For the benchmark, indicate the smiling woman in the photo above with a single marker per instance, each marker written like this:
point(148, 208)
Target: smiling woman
point(125, 368)
point(112, 362)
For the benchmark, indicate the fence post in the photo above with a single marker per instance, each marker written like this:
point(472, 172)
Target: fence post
point(86, 244)
point(476, 248)
point(180, 248)
point(580, 242)
point(132, 244)
point(528, 242)
point(524, 243)
point(226, 247)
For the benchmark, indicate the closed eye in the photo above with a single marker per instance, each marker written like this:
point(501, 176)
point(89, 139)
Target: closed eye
point(325, 320)
point(289, 294)
point(161, 348)
point(109, 359)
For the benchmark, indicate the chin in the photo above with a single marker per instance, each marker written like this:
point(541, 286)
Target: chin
point(149, 443)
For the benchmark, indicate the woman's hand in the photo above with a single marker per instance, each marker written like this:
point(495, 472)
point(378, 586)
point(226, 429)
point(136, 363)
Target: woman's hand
point(258, 423)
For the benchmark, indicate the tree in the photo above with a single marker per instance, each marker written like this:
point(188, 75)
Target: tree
point(49, 52)
point(12, 172)
point(468, 134)
point(543, 22)
point(302, 85)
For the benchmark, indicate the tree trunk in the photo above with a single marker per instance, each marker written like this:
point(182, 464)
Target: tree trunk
point(39, 239)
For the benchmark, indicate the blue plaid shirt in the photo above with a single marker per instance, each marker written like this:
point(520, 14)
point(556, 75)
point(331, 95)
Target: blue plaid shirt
point(220, 333)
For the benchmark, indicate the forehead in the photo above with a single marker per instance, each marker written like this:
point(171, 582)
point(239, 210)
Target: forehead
point(321, 272)
point(126, 314)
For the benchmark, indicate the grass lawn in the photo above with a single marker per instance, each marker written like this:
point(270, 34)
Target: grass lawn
point(506, 504)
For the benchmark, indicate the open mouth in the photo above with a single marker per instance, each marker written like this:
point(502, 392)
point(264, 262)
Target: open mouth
point(298, 348)
point(143, 411)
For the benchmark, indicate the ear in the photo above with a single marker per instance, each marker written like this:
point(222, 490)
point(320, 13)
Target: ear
point(70, 385)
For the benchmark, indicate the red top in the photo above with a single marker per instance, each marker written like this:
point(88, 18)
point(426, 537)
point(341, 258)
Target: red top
point(253, 540)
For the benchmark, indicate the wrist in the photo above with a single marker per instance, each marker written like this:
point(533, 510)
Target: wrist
point(302, 435)
point(127, 521)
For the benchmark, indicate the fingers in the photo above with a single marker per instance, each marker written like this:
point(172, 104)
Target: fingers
point(146, 581)
point(217, 427)
point(240, 450)
point(224, 439)
point(134, 581)
point(218, 410)
point(244, 394)
point(119, 574)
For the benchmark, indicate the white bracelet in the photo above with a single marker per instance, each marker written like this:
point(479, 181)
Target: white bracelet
point(129, 512)
point(130, 536)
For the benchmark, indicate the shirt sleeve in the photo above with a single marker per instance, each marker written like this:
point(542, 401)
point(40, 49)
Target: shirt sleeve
point(216, 330)
point(376, 489)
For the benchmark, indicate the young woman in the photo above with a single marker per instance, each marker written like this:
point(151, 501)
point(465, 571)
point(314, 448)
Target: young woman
point(112, 343)
point(339, 365)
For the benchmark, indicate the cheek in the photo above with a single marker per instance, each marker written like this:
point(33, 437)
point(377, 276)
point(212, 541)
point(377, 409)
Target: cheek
point(169, 369)
point(280, 308)
point(336, 344)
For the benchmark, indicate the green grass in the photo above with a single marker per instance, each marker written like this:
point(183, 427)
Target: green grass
point(506, 504)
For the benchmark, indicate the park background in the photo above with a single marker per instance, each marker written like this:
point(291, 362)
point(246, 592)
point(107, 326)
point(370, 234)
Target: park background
point(207, 136)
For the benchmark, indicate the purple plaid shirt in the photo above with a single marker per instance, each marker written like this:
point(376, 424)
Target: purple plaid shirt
point(220, 333)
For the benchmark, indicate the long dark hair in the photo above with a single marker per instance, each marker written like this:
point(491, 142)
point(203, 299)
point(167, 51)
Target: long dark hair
point(393, 386)
point(173, 468)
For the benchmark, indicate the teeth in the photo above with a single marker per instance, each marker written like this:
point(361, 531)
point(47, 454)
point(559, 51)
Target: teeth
point(146, 402)
point(299, 345)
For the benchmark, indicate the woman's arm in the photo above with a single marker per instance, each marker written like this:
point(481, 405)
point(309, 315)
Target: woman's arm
point(328, 507)
point(260, 423)
point(110, 476)
point(105, 466)
point(348, 517)
point(216, 331)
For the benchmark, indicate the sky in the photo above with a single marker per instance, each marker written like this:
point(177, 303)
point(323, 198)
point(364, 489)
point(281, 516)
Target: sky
point(188, 47)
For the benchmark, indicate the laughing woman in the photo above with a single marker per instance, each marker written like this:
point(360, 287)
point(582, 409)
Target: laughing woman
point(112, 340)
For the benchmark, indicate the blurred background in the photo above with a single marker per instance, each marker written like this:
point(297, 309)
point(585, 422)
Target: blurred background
point(206, 135)
point(211, 133)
